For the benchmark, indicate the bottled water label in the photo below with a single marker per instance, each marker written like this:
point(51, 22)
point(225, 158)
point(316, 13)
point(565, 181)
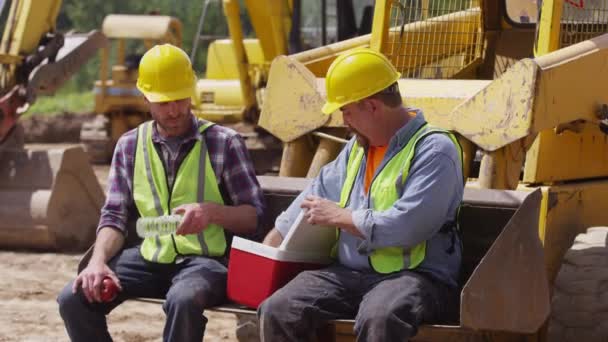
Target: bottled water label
point(161, 225)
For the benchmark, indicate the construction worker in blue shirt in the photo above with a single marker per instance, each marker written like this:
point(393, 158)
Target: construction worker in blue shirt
point(392, 195)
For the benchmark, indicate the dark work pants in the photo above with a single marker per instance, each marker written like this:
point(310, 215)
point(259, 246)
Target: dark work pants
point(189, 287)
point(387, 307)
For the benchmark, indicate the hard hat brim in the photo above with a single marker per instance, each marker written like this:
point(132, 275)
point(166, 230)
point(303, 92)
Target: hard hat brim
point(330, 107)
point(168, 96)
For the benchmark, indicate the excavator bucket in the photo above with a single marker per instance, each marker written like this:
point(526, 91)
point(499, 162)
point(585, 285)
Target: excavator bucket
point(49, 199)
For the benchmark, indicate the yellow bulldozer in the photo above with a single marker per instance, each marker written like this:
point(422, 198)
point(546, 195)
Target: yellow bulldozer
point(49, 199)
point(521, 85)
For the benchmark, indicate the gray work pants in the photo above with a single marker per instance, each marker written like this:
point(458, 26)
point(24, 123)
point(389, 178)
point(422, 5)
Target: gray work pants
point(189, 287)
point(387, 307)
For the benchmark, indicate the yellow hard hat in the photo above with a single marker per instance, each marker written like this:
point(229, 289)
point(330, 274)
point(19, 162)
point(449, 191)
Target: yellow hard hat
point(356, 75)
point(165, 74)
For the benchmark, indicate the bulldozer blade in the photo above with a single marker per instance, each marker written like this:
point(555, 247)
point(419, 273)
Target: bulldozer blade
point(49, 199)
point(76, 51)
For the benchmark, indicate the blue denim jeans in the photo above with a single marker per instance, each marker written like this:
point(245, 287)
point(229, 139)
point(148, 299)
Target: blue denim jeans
point(386, 307)
point(189, 287)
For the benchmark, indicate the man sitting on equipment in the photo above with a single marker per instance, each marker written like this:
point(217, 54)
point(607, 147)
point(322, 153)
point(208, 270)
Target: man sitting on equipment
point(393, 195)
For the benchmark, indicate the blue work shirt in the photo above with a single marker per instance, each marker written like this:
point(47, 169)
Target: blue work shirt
point(429, 199)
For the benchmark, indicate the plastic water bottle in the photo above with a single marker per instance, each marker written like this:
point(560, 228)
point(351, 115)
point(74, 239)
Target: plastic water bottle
point(160, 225)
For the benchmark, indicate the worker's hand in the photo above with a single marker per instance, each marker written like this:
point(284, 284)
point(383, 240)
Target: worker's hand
point(327, 213)
point(91, 279)
point(197, 216)
point(321, 211)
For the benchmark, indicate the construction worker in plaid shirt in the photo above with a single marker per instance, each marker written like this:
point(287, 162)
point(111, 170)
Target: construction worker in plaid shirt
point(174, 164)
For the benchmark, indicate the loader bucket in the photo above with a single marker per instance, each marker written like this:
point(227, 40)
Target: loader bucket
point(49, 199)
point(505, 279)
point(505, 288)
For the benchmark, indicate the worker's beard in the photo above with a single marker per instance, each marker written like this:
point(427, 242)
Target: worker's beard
point(175, 125)
point(361, 139)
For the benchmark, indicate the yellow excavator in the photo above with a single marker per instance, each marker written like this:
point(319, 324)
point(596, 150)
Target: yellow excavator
point(49, 199)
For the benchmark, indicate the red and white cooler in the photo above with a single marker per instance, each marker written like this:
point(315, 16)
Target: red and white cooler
point(256, 271)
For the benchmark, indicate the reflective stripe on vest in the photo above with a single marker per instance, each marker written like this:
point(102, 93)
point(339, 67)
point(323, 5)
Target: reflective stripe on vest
point(384, 193)
point(153, 198)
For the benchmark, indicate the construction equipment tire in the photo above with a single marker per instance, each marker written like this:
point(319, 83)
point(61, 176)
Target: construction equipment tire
point(579, 305)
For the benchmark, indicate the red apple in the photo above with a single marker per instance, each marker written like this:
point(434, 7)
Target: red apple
point(109, 290)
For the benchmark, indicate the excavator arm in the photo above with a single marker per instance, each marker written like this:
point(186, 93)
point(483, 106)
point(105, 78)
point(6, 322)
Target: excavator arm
point(35, 59)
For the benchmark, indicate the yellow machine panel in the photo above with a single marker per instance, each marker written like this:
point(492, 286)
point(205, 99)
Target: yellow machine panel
point(569, 155)
point(149, 27)
point(221, 62)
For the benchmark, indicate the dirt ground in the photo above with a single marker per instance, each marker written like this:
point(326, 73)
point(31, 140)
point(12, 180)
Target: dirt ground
point(28, 310)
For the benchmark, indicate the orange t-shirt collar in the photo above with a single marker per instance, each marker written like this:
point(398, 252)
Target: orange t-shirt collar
point(375, 154)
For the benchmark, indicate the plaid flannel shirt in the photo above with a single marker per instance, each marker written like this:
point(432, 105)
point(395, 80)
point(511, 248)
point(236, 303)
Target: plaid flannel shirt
point(230, 161)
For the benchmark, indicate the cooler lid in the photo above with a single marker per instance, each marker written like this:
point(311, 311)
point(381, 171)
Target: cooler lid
point(308, 238)
point(274, 253)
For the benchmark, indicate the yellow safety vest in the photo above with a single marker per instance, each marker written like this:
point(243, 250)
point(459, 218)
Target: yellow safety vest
point(384, 194)
point(195, 182)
